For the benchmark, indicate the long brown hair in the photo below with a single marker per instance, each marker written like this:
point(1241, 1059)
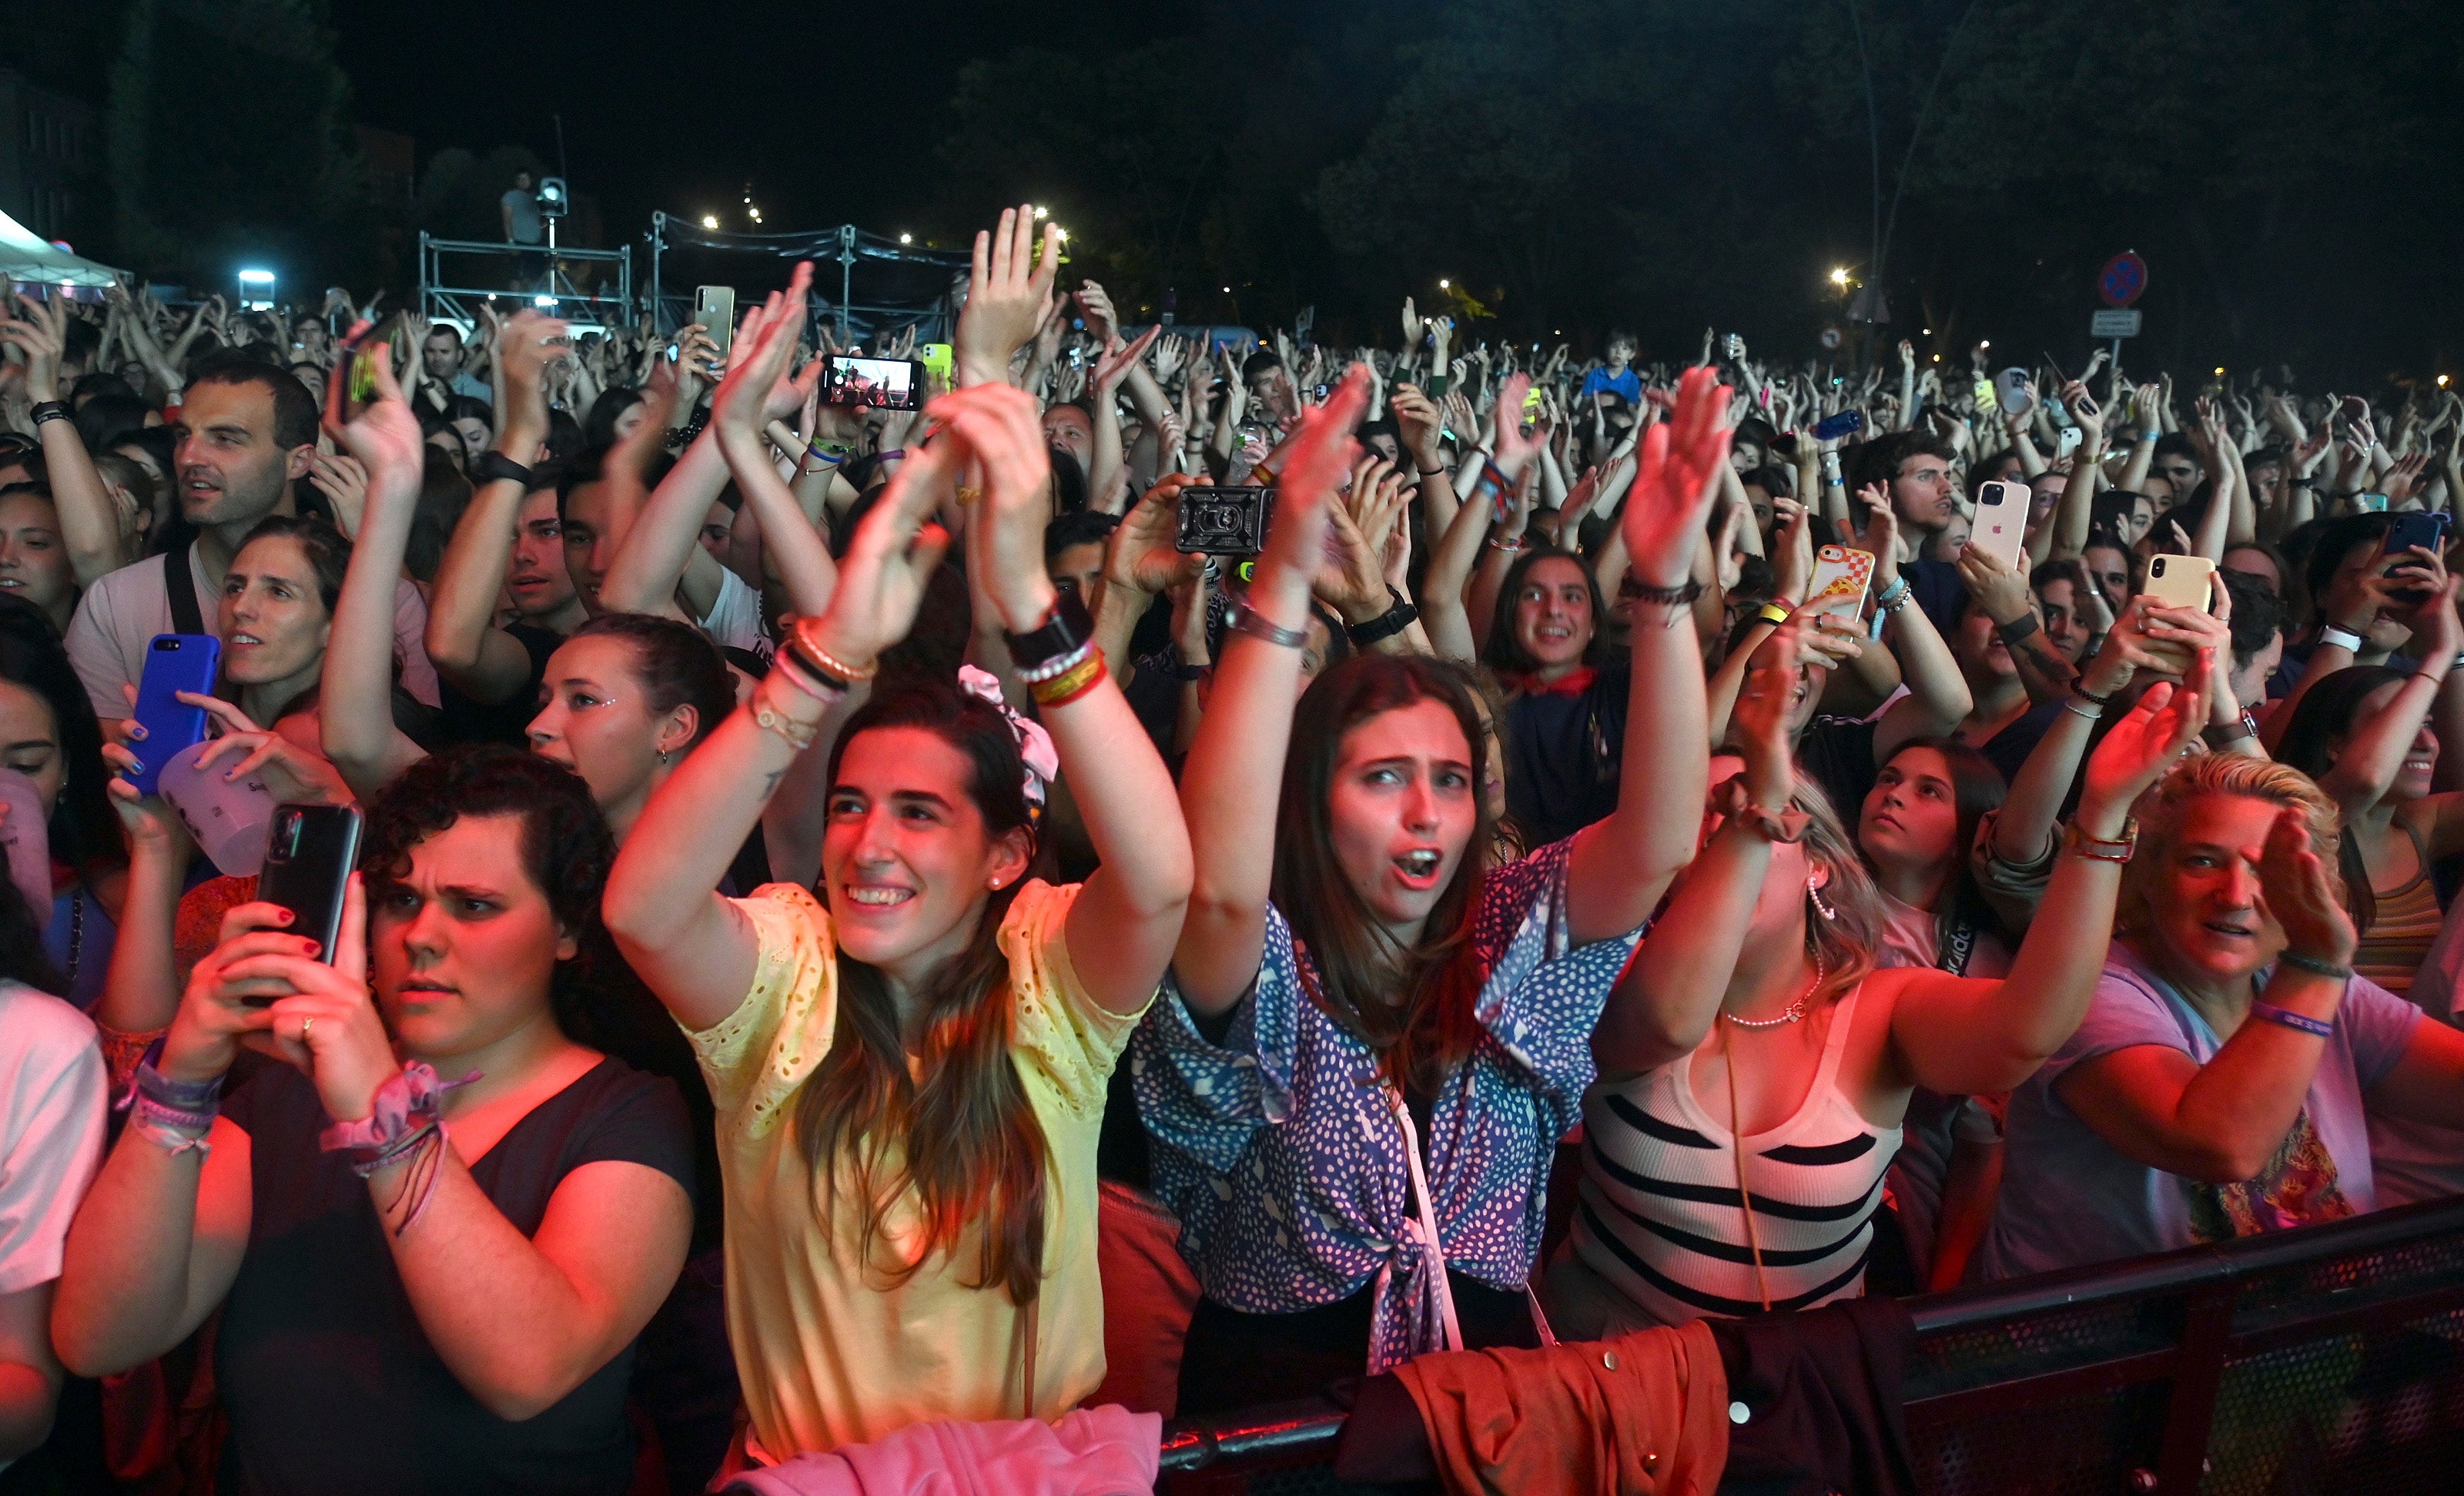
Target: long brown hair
point(1413, 1004)
point(969, 1145)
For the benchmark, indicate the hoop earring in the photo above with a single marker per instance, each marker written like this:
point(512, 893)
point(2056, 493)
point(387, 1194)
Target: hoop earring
point(1814, 891)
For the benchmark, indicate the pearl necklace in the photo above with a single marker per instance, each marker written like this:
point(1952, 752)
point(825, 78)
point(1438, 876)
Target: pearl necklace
point(1796, 1009)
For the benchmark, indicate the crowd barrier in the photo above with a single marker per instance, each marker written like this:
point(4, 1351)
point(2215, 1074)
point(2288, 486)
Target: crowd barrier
point(2327, 1359)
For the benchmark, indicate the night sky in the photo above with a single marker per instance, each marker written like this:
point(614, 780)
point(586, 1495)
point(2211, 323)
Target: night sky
point(666, 108)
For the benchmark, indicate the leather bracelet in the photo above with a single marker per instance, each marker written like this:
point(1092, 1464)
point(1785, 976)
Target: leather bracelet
point(1063, 631)
point(1387, 625)
point(1248, 620)
point(2019, 629)
point(2301, 1022)
point(492, 466)
point(2316, 967)
point(43, 410)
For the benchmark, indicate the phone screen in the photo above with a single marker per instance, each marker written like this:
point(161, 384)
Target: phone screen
point(882, 384)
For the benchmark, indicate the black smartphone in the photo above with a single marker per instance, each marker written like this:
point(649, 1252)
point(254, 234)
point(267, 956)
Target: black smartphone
point(309, 855)
point(1224, 521)
point(882, 384)
point(2409, 529)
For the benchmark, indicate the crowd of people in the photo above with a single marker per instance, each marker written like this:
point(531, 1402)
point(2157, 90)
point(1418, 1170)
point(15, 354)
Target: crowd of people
point(834, 881)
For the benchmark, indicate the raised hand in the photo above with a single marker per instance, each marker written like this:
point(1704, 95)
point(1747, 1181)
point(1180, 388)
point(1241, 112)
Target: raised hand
point(2140, 747)
point(2299, 895)
point(41, 334)
point(1010, 296)
point(1096, 307)
point(758, 388)
point(996, 428)
point(1353, 580)
point(896, 549)
point(1142, 554)
point(1120, 357)
point(1880, 537)
point(385, 439)
point(1758, 724)
point(1296, 542)
point(1667, 510)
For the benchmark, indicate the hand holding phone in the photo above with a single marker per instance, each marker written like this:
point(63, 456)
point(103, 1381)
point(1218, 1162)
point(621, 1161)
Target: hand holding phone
point(2000, 529)
point(166, 725)
point(308, 862)
point(1840, 578)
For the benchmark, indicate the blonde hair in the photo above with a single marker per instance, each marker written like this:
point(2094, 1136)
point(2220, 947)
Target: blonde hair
point(2161, 809)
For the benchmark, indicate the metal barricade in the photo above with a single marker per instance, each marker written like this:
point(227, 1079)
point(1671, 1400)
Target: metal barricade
point(2323, 1360)
point(537, 274)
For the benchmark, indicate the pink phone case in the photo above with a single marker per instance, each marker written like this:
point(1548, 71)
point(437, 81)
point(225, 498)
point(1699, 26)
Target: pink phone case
point(1840, 578)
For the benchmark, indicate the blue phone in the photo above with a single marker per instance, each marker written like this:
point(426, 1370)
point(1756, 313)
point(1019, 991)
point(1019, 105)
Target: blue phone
point(1847, 423)
point(173, 663)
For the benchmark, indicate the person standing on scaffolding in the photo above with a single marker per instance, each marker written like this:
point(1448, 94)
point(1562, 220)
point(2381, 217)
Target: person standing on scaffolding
point(523, 226)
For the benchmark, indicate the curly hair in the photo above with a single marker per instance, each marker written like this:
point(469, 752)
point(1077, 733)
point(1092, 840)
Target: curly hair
point(566, 847)
point(2162, 808)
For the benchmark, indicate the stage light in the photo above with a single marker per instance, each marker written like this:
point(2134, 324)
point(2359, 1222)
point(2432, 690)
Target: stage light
point(257, 291)
point(1839, 275)
point(2220, 371)
point(542, 300)
point(2442, 382)
point(709, 220)
point(1984, 342)
point(906, 239)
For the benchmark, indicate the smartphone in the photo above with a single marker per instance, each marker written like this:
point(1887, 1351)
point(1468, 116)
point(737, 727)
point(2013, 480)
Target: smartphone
point(2000, 529)
point(2069, 441)
point(1224, 521)
point(715, 308)
point(938, 362)
point(1847, 423)
point(881, 383)
point(2369, 503)
point(1983, 389)
point(2180, 581)
point(1532, 402)
point(1840, 578)
point(173, 663)
point(308, 861)
point(2429, 531)
point(2010, 388)
point(1732, 345)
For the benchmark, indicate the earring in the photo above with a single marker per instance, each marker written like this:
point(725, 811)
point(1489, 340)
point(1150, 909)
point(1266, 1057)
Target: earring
point(996, 885)
point(1814, 891)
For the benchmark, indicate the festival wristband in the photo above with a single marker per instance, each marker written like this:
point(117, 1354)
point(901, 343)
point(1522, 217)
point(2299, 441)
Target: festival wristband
point(2300, 1022)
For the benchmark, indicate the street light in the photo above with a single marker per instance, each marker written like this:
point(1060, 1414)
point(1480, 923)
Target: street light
point(257, 291)
point(1444, 284)
point(1042, 213)
point(2442, 382)
point(906, 239)
point(709, 220)
point(1839, 275)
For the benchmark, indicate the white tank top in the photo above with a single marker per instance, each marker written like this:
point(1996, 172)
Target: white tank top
point(1660, 1218)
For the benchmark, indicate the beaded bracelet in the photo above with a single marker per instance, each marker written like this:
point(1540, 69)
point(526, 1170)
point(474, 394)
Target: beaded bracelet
point(1079, 679)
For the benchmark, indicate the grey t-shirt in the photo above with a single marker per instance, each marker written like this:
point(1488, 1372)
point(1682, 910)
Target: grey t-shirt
point(2069, 1198)
point(524, 209)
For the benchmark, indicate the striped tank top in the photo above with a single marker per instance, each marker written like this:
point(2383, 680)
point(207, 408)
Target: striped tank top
point(1660, 1217)
point(2400, 934)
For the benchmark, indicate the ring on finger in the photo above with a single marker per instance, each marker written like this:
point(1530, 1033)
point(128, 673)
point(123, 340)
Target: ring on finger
point(304, 1025)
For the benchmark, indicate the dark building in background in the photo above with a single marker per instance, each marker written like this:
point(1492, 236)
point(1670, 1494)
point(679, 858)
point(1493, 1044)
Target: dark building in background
point(51, 146)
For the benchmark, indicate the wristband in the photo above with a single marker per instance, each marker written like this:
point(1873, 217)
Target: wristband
point(1394, 621)
point(2340, 638)
point(1248, 620)
point(804, 645)
point(44, 411)
point(894, 454)
point(2073, 706)
point(1084, 674)
point(2021, 629)
point(1063, 631)
point(2085, 694)
point(1890, 596)
point(410, 1099)
point(2317, 967)
point(2300, 1022)
point(492, 466)
point(828, 458)
point(797, 735)
point(1772, 614)
point(1432, 472)
point(2097, 849)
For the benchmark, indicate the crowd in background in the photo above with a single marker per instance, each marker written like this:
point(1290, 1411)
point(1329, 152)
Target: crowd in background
point(857, 929)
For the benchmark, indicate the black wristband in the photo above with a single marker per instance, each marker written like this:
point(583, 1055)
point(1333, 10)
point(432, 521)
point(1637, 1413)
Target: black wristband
point(492, 466)
point(1386, 625)
point(1065, 630)
point(2018, 630)
point(43, 410)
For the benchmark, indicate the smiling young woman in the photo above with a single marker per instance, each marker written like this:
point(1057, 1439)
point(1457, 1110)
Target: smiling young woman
point(910, 1068)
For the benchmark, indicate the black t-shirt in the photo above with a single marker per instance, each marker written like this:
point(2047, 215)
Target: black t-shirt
point(465, 720)
point(329, 1381)
point(1562, 751)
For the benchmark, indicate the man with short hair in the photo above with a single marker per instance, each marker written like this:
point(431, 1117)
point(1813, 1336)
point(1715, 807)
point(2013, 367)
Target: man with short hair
point(247, 433)
point(440, 357)
point(1915, 470)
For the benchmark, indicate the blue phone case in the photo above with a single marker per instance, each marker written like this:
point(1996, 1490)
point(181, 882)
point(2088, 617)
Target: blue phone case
point(173, 663)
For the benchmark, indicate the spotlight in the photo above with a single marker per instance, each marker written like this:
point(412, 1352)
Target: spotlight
point(709, 220)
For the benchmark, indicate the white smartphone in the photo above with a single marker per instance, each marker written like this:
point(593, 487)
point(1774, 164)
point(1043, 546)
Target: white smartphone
point(2181, 580)
point(2000, 528)
point(2068, 442)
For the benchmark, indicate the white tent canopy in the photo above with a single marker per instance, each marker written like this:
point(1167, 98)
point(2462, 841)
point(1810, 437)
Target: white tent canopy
point(25, 255)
